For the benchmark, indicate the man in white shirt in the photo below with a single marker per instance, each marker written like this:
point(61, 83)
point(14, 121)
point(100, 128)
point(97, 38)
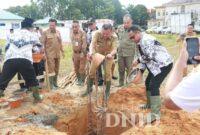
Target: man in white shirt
point(155, 58)
point(18, 59)
point(183, 93)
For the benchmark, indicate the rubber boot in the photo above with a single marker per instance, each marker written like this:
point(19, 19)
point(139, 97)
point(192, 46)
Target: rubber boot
point(1, 93)
point(121, 83)
point(82, 80)
point(147, 105)
point(155, 109)
point(78, 82)
point(36, 94)
point(55, 80)
point(121, 79)
point(51, 81)
point(89, 87)
point(107, 92)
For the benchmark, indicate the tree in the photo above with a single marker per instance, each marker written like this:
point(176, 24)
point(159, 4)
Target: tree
point(139, 14)
point(47, 7)
point(118, 11)
point(26, 11)
point(95, 8)
point(82, 9)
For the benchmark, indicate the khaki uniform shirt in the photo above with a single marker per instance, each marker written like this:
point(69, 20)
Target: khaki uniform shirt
point(102, 46)
point(126, 46)
point(79, 42)
point(52, 43)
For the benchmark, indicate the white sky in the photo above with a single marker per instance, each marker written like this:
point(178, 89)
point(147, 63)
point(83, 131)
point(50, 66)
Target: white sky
point(148, 3)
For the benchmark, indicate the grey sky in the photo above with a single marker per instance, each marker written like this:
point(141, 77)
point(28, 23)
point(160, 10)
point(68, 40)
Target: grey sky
point(148, 3)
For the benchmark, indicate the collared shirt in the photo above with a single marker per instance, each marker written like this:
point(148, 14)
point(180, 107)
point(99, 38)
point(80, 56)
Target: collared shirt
point(126, 46)
point(152, 54)
point(79, 41)
point(52, 43)
point(101, 45)
point(90, 33)
point(21, 44)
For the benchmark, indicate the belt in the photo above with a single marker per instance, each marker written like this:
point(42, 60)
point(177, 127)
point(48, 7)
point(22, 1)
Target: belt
point(77, 51)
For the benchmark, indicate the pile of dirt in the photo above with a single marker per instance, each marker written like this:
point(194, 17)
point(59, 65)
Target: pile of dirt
point(126, 101)
point(33, 130)
point(72, 116)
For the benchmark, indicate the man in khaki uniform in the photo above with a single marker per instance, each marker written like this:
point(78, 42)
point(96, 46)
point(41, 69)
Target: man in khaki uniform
point(52, 42)
point(126, 49)
point(79, 45)
point(104, 42)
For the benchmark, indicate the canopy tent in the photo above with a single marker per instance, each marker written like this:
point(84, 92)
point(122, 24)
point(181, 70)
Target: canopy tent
point(45, 21)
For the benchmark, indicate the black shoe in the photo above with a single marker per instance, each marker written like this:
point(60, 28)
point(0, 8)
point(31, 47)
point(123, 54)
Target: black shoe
point(100, 83)
point(114, 77)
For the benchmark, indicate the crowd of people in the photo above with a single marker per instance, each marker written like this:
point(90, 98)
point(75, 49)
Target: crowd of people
point(30, 52)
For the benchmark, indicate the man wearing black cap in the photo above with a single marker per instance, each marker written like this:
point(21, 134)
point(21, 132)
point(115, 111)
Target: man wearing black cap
point(18, 59)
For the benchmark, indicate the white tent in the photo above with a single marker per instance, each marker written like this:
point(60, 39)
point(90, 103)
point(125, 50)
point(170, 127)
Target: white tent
point(44, 22)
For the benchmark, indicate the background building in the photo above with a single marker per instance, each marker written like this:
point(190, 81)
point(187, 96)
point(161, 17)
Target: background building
point(8, 21)
point(177, 14)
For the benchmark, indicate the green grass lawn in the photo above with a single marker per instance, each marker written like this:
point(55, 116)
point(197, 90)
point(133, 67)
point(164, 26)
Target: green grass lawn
point(169, 41)
point(66, 63)
point(166, 40)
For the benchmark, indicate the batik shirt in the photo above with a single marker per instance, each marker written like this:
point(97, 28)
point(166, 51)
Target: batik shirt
point(152, 55)
point(21, 45)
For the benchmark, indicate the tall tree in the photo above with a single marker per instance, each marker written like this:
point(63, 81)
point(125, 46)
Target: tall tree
point(118, 11)
point(139, 14)
point(82, 9)
point(47, 7)
point(27, 11)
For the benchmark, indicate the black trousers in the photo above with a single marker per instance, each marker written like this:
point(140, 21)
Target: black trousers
point(99, 74)
point(38, 68)
point(153, 83)
point(22, 66)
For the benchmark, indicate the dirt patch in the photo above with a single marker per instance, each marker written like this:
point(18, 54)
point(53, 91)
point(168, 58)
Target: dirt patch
point(126, 101)
point(73, 116)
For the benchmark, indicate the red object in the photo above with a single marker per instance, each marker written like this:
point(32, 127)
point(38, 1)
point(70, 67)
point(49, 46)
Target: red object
point(37, 57)
point(15, 104)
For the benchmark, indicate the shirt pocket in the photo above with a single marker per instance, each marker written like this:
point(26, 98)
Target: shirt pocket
point(49, 39)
